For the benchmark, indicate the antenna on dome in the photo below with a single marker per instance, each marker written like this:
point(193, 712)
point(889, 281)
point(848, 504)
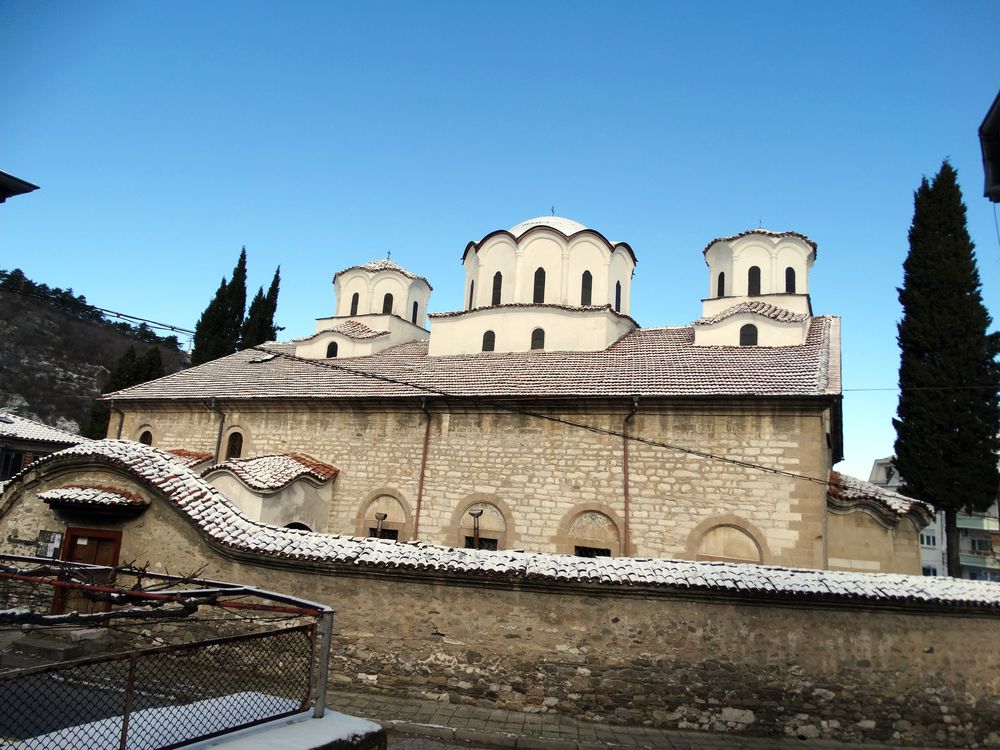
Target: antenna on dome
point(760, 223)
point(553, 210)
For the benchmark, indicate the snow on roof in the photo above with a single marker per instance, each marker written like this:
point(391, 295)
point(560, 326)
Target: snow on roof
point(21, 428)
point(218, 519)
point(851, 489)
point(92, 494)
point(272, 472)
point(384, 264)
point(536, 306)
point(560, 224)
point(762, 233)
point(191, 458)
point(355, 330)
point(648, 363)
point(764, 309)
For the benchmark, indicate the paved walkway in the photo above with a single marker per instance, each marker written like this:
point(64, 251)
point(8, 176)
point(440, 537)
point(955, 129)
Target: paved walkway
point(498, 728)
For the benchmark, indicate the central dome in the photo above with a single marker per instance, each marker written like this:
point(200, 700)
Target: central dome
point(559, 223)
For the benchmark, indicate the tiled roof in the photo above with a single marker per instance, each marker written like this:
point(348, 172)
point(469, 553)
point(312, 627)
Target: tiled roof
point(763, 232)
point(355, 330)
point(779, 314)
point(533, 306)
point(92, 494)
point(20, 428)
point(849, 489)
point(219, 520)
point(191, 458)
point(271, 473)
point(647, 363)
point(384, 264)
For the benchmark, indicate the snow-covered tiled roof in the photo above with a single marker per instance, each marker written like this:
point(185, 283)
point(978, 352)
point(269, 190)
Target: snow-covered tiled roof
point(355, 330)
point(756, 307)
point(648, 363)
point(763, 233)
point(271, 473)
point(564, 225)
point(224, 525)
point(850, 489)
point(92, 494)
point(191, 458)
point(384, 264)
point(19, 428)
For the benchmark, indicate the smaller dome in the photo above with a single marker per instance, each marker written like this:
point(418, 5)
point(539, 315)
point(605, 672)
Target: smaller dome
point(559, 223)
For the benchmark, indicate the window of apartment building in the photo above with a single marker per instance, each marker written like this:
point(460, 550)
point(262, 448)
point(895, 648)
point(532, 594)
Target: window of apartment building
point(979, 544)
point(928, 540)
point(929, 570)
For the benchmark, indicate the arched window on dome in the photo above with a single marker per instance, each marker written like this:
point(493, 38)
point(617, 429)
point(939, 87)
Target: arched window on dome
point(472, 293)
point(416, 309)
point(489, 341)
point(538, 339)
point(331, 350)
point(539, 295)
point(387, 304)
point(753, 281)
point(354, 303)
point(497, 287)
point(586, 289)
point(618, 296)
point(748, 335)
point(720, 286)
point(234, 446)
point(789, 280)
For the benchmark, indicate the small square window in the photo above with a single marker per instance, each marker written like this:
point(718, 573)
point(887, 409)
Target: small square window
point(386, 534)
point(485, 542)
point(591, 551)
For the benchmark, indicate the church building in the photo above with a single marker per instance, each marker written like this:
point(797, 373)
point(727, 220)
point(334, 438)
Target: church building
point(542, 417)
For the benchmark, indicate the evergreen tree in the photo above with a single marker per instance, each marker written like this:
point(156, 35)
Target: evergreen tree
point(949, 414)
point(259, 325)
point(218, 329)
point(128, 370)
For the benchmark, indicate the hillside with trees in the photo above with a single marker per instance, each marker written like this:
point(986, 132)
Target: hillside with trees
point(57, 351)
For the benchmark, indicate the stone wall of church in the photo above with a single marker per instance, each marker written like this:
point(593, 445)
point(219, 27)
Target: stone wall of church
point(550, 486)
point(867, 671)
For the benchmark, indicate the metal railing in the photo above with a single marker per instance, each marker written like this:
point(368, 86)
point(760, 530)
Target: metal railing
point(164, 696)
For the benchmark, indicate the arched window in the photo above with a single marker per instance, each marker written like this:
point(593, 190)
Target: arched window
point(413, 318)
point(789, 280)
point(586, 287)
point(489, 341)
point(720, 286)
point(472, 292)
point(539, 296)
point(146, 438)
point(387, 304)
point(354, 303)
point(331, 350)
point(753, 281)
point(538, 339)
point(234, 446)
point(748, 335)
point(618, 296)
point(297, 525)
point(497, 287)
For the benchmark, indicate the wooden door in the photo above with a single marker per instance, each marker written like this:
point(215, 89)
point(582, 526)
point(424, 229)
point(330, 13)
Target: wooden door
point(95, 547)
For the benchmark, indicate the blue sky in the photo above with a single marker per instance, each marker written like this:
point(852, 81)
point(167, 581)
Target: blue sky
point(165, 136)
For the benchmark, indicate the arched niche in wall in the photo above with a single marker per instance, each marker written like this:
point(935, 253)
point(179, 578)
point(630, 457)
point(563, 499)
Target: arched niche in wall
point(727, 538)
point(397, 523)
point(590, 531)
point(495, 524)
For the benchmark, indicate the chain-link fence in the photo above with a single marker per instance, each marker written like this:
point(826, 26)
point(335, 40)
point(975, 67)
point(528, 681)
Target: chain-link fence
point(159, 698)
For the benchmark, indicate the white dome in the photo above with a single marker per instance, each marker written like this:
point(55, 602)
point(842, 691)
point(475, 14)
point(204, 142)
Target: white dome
point(566, 226)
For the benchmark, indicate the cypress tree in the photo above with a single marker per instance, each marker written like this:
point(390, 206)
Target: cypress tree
point(949, 414)
point(218, 329)
point(259, 325)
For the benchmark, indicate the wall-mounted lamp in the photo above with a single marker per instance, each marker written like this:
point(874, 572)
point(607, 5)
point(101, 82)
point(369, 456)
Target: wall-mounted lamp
point(475, 526)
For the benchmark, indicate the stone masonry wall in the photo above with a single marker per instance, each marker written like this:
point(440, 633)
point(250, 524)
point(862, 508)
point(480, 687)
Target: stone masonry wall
point(633, 655)
point(541, 474)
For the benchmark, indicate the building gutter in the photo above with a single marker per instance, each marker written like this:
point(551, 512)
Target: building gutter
point(423, 469)
point(627, 541)
point(121, 419)
point(213, 404)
